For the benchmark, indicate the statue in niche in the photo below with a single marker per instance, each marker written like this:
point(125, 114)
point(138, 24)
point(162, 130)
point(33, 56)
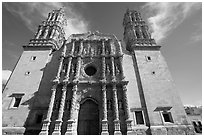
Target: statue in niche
point(117, 69)
point(57, 105)
point(109, 104)
point(107, 50)
point(99, 50)
point(107, 69)
point(92, 50)
point(84, 51)
point(72, 69)
point(120, 102)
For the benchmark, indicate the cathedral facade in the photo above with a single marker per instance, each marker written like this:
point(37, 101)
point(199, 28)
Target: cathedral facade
point(92, 84)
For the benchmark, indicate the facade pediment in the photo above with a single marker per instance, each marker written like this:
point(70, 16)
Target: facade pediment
point(96, 35)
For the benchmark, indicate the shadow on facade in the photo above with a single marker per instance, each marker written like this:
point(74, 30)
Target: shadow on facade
point(32, 124)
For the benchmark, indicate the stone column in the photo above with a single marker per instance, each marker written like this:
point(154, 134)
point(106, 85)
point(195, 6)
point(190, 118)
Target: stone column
point(139, 30)
point(103, 62)
point(58, 17)
point(46, 122)
point(146, 31)
point(115, 105)
point(46, 32)
point(53, 32)
point(112, 64)
point(104, 121)
point(39, 32)
point(58, 122)
point(49, 16)
point(113, 68)
point(121, 62)
point(121, 67)
point(69, 62)
point(53, 17)
point(71, 123)
point(127, 111)
point(78, 65)
point(104, 111)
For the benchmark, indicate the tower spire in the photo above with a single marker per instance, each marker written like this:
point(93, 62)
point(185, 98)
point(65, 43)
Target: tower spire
point(136, 32)
point(50, 32)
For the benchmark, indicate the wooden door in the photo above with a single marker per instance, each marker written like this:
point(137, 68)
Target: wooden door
point(88, 121)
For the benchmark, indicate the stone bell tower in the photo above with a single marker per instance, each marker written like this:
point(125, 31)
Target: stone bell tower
point(28, 74)
point(160, 103)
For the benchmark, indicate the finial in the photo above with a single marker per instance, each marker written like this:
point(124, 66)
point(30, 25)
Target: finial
point(62, 9)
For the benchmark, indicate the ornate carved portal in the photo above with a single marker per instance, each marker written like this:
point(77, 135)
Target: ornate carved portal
point(90, 67)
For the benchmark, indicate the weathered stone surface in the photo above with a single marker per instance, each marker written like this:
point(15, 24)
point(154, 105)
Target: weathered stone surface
point(13, 130)
point(139, 130)
point(158, 130)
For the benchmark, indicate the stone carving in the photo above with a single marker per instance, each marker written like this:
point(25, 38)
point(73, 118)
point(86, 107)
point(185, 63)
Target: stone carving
point(117, 69)
point(107, 69)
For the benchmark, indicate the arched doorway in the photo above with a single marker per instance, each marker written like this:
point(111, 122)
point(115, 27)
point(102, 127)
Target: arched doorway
point(88, 120)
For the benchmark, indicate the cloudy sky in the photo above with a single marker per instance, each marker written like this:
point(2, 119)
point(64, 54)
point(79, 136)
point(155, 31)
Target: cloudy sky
point(177, 27)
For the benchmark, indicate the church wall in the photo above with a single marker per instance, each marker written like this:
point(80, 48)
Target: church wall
point(132, 88)
point(22, 84)
point(158, 87)
point(42, 98)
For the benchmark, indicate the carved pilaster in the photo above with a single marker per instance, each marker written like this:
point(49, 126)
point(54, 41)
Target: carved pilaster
point(58, 122)
point(112, 68)
point(104, 111)
point(78, 64)
point(103, 48)
point(60, 65)
point(103, 68)
point(126, 102)
point(120, 52)
point(68, 69)
point(71, 122)
point(46, 122)
point(73, 46)
point(80, 48)
point(115, 104)
point(121, 67)
point(127, 112)
point(103, 62)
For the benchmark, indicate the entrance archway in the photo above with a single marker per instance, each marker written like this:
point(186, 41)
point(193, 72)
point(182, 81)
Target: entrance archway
point(88, 120)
